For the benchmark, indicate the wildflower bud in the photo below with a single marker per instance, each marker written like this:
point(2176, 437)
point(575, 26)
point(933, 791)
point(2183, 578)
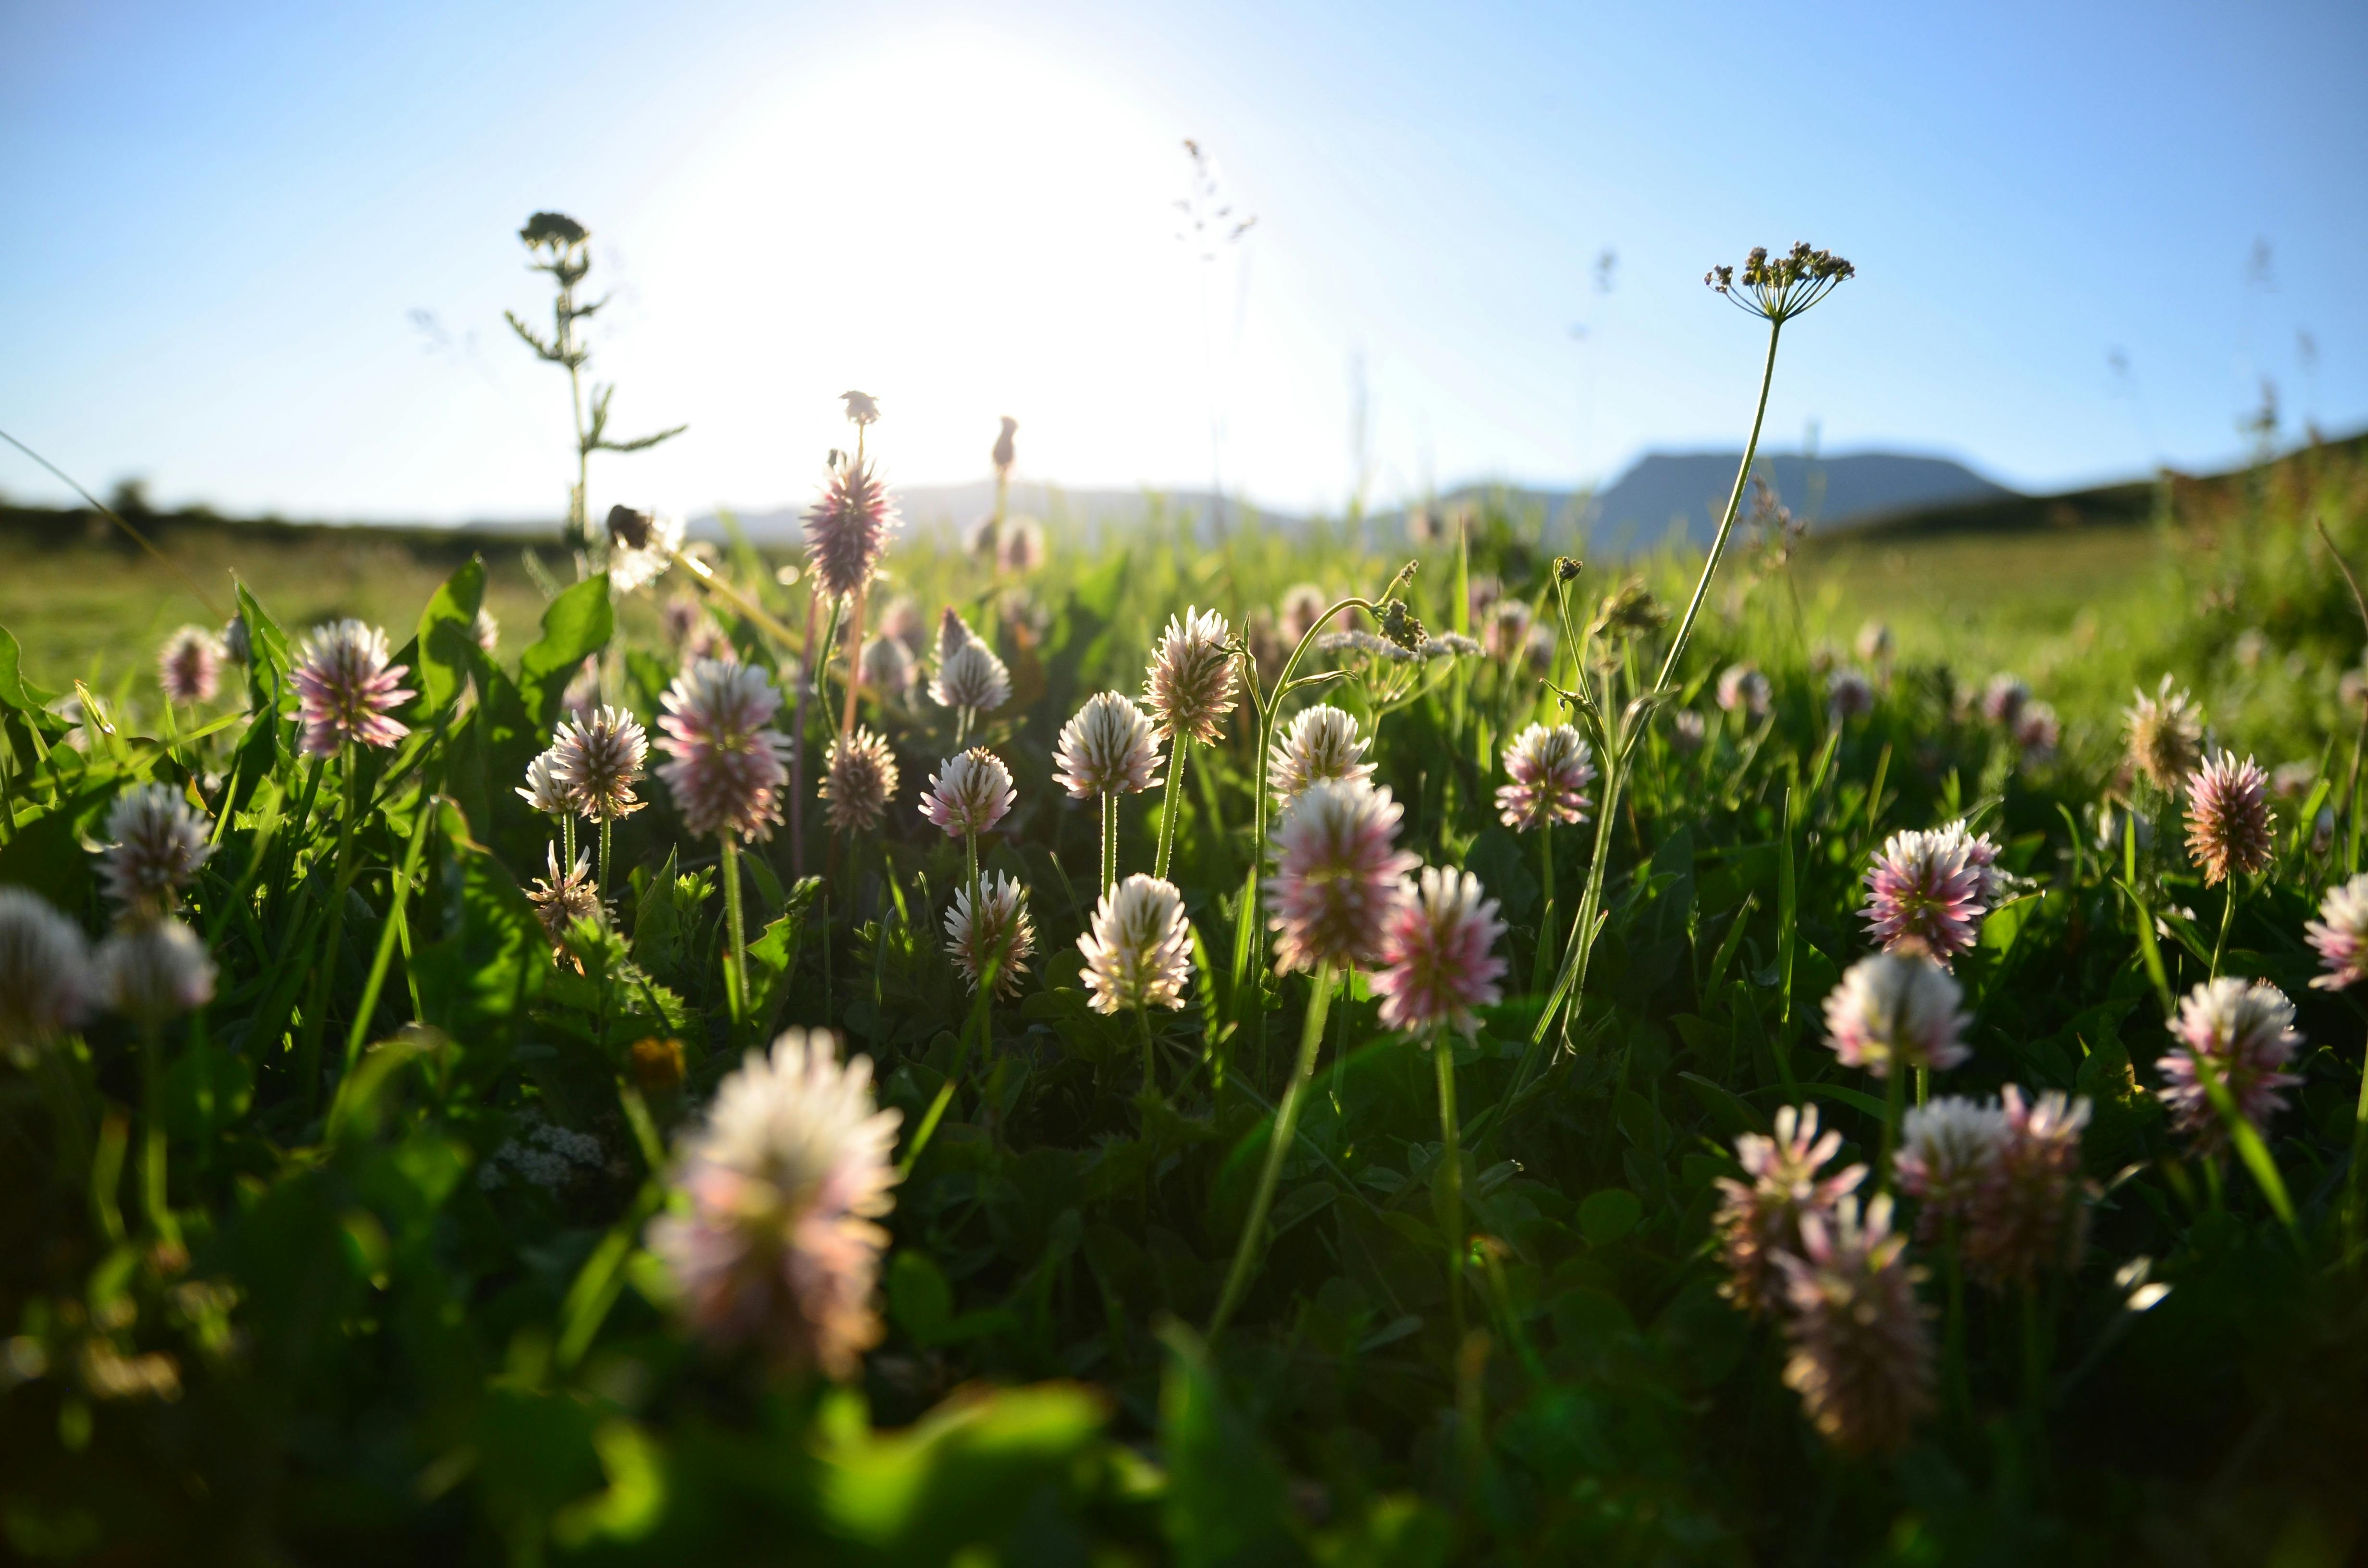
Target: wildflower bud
point(1004, 455)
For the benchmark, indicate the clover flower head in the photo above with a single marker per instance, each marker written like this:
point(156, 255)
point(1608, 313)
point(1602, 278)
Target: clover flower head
point(46, 983)
point(2228, 817)
point(154, 972)
point(1895, 1009)
point(1688, 730)
point(2340, 935)
point(1439, 955)
point(1021, 549)
point(542, 788)
point(1875, 644)
point(969, 794)
point(726, 771)
point(595, 760)
point(785, 1181)
point(2025, 1215)
point(486, 631)
point(156, 844)
point(188, 666)
point(2166, 737)
point(1321, 743)
point(641, 545)
point(1190, 685)
point(345, 689)
point(859, 779)
point(1848, 695)
point(2037, 732)
point(563, 897)
point(1107, 749)
point(887, 667)
point(1759, 1218)
point(1506, 632)
point(1550, 769)
point(1337, 875)
point(847, 529)
point(994, 930)
point(1861, 1350)
point(1742, 687)
point(972, 678)
point(1303, 606)
point(237, 646)
point(1948, 1148)
point(2003, 698)
point(1139, 948)
point(2239, 1032)
point(1927, 891)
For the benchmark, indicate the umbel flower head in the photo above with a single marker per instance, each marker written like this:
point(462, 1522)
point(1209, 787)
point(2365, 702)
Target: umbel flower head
point(45, 981)
point(968, 793)
point(1440, 953)
point(1107, 749)
point(345, 689)
point(1189, 686)
point(847, 529)
point(994, 930)
point(1337, 875)
point(2166, 737)
point(1948, 1150)
point(564, 898)
point(1550, 769)
point(2241, 1033)
point(726, 770)
point(2340, 935)
point(1760, 1218)
point(189, 666)
point(1321, 743)
point(595, 760)
point(972, 678)
point(1779, 289)
point(1139, 948)
point(641, 545)
point(1928, 891)
point(2026, 1215)
point(858, 780)
point(777, 1245)
point(1861, 1357)
point(2228, 817)
point(542, 789)
point(1741, 688)
point(1895, 1007)
point(156, 844)
point(154, 972)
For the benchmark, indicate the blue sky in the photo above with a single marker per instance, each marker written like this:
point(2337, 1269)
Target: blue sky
point(223, 218)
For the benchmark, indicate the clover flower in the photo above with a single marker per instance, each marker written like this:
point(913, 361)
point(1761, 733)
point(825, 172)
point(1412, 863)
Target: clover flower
point(1948, 1148)
point(2003, 698)
point(236, 645)
point(1875, 643)
point(1550, 769)
point(1760, 1218)
point(2340, 935)
point(564, 898)
point(157, 844)
point(1895, 1007)
point(680, 617)
point(1928, 891)
point(1862, 1351)
point(542, 789)
point(2228, 817)
point(1742, 687)
point(1688, 730)
point(1439, 954)
point(994, 930)
point(595, 760)
point(154, 972)
point(2024, 1216)
point(859, 779)
point(1021, 549)
point(188, 666)
point(46, 984)
point(1506, 632)
point(2166, 737)
point(1139, 948)
point(2240, 1032)
point(344, 688)
point(640, 547)
point(485, 629)
point(1321, 743)
point(887, 666)
point(968, 793)
point(1190, 685)
point(1337, 875)
point(784, 1183)
point(726, 772)
point(973, 678)
point(1303, 606)
point(847, 530)
point(1848, 695)
point(2037, 732)
point(1106, 749)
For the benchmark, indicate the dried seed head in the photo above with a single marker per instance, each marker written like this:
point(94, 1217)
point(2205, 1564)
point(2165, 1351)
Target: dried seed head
point(1782, 287)
point(640, 547)
point(858, 780)
point(2166, 737)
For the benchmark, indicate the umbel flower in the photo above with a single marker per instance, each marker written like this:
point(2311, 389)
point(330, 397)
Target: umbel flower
point(1107, 749)
point(189, 666)
point(2026, 1216)
point(1760, 1218)
point(1321, 743)
point(968, 793)
point(2242, 1033)
point(1189, 686)
point(595, 760)
point(157, 844)
point(542, 789)
point(564, 898)
point(45, 981)
point(847, 530)
point(1337, 875)
point(1440, 953)
point(971, 679)
point(726, 770)
point(1862, 1356)
point(1780, 290)
point(995, 928)
point(1948, 1150)
point(1550, 769)
point(1895, 1007)
point(1139, 948)
point(2166, 738)
point(2340, 935)
point(1928, 891)
point(641, 545)
point(1743, 687)
point(858, 780)
point(154, 971)
point(778, 1243)
point(2228, 817)
point(344, 688)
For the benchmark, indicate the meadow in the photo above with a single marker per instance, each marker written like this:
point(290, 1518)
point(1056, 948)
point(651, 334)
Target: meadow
point(1817, 1054)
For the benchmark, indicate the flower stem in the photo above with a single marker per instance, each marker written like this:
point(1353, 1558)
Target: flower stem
point(1179, 752)
point(1451, 1152)
point(602, 886)
point(1726, 524)
point(2228, 914)
point(735, 963)
point(316, 1008)
point(1109, 839)
point(2360, 1156)
point(1542, 967)
point(151, 1150)
point(1286, 1119)
point(1894, 1098)
point(567, 843)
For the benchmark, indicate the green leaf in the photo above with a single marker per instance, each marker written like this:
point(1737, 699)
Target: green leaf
point(14, 689)
point(475, 981)
point(1856, 1099)
point(575, 625)
point(449, 653)
point(1608, 1215)
point(1733, 1115)
point(1226, 1506)
point(268, 663)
